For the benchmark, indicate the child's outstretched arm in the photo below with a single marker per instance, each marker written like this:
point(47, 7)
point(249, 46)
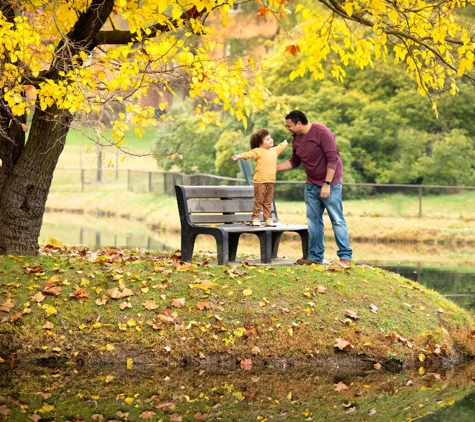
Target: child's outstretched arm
point(236, 157)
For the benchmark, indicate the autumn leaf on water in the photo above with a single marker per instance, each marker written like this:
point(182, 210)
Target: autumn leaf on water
point(130, 363)
point(342, 344)
point(340, 386)
point(178, 303)
point(292, 49)
point(246, 364)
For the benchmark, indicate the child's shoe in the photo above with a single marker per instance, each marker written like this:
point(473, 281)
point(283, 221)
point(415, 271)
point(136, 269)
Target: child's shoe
point(270, 223)
point(256, 222)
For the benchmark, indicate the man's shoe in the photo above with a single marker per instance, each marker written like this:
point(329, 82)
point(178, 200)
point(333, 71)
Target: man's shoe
point(343, 263)
point(270, 223)
point(256, 222)
point(305, 261)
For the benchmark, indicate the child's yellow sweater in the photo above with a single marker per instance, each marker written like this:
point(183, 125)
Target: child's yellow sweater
point(266, 162)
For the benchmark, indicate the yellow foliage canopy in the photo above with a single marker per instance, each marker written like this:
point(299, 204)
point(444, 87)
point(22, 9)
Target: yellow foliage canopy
point(54, 55)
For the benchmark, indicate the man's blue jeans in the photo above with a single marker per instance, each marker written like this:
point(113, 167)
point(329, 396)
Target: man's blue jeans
point(316, 205)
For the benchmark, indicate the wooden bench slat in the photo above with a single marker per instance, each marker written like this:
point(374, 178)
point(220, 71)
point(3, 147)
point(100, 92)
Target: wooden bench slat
point(219, 191)
point(231, 205)
point(219, 218)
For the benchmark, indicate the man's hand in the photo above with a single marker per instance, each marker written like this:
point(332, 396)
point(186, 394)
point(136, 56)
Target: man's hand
point(325, 192)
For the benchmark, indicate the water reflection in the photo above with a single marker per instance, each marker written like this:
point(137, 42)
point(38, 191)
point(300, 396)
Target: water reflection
point(212, 394)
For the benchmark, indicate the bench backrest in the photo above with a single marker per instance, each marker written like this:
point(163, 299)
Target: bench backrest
point(216, 204)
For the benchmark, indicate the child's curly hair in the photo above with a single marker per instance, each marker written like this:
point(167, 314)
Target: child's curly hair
point(257, 138)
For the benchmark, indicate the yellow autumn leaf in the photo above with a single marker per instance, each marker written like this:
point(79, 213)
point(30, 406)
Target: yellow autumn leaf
point(247, 292)
point(130, 363)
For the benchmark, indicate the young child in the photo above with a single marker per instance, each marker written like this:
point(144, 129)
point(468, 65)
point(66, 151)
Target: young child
point(265, 156)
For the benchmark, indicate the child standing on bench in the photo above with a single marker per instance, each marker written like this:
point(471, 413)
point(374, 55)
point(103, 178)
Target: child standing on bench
point(265, 155)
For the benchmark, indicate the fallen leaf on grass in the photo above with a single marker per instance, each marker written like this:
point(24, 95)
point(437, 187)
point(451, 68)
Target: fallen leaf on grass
point(321, 289)
point(166, 319)
point(373, 308)
point(48, 325)
point(52, 289)
point(4, 410)
point(178, 303)
point(351, 314)
point(39, 297)
point(116, 293)
point(340, 386)
point(203, 305)
point(7, 306)
point(80, 294)
point(176, 417)
point(150, 305)
point(342, 344)
point(147, 414)
point(247, 292)
point(377, 366)
point(124, 305)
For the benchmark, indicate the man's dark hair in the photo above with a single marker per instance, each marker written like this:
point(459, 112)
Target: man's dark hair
point(257, 138)
point(297, 116)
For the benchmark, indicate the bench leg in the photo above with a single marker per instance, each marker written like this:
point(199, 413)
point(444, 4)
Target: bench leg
point(187, 245)
point(304, 237)
point(233, 245)
point(222, 245)
point(275, 243)
point(265, 239)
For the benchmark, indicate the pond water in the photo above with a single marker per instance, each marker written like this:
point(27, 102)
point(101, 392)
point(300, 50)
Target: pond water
point(265, 394)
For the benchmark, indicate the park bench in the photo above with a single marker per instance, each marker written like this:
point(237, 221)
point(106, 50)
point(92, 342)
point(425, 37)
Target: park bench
point(224, 212)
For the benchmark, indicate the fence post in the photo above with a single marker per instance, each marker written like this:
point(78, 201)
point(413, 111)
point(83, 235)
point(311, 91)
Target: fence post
point(128, 180)
point(82, 180)
point(420, 201)
point(149, 181)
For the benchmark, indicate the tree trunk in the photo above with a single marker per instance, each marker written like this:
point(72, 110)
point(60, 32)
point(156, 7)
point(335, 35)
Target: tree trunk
point(25, 184)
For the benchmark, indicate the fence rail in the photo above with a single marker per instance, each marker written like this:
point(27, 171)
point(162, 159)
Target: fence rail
point(142, 181)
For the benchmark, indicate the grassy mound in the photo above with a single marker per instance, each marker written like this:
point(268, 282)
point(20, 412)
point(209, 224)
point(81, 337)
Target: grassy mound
point(134, 307)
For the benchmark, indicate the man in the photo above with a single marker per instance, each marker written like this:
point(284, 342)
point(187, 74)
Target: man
point(314, 146)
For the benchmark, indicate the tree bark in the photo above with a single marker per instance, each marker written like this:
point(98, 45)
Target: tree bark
point(25, 189)
point(27, 168)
